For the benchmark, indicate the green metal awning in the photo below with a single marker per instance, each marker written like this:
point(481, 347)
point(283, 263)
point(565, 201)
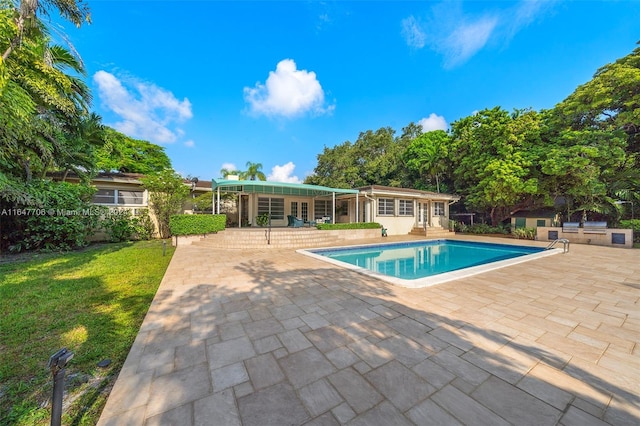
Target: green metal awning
point(277, 188)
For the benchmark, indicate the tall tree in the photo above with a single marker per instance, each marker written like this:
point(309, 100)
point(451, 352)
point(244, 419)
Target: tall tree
point(426, 156)
point(493, 155)
point(127, 155)
point(253, 172)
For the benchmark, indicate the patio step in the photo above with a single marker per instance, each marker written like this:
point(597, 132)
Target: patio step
point(431, 232)
point(278, 238)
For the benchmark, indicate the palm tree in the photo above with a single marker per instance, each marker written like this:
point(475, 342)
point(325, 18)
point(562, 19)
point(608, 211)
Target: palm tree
point(253, 172)
point(226, 172)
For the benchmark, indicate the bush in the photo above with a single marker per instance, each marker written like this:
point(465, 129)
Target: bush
point(482, 228)
point(62, 218)
point(122, 225)
point(632, 224)
point(262, 220)
point(524, 233)
point(360, 225)
point(196, 224)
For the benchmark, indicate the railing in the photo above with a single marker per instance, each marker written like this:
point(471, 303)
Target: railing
point(564, 241)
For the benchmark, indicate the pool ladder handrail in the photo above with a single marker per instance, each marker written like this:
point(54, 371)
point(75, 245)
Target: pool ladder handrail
point(564, 241)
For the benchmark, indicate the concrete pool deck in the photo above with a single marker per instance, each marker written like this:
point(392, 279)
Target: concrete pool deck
point(273, 337)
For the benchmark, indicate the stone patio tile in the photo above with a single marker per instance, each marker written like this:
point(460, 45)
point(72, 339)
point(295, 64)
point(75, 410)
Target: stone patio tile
point(129, 392)
point(243, 303)
point(384, 414)
point(327, 419)
point(162, 361)
point(218, 408)
point(452, 336)
point(515, 405)
point(178, 415)
point(190, 354)
point(399, 385)
point(385, 311)
point(546, 392)
point(508, 369)
point(405, 350)
point(373, 355)
point(623, 410)
point(161, 339)
point(314, 321)
point(460, 367)
point(275, 405)
point(177, 388)
point(430, 413)
point(292, 323)
point(229, 352)
point(263, 328)
point(231, 330)
point(466, 409)
point(343, 413)
point(135, 416)
point(434, 374)
point(568, 383)
point(287, 311)
point(320, 397)
point(329, 338)
point(408, 327)
point(358, 393)
point(571, 346)
point(264, 371)
point(577, 417)
point(305, 367)
point(267, 344)
point(228, 376)
point(342, 357)
point(294, 341)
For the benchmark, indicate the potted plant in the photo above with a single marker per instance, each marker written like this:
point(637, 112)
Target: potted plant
point(262, 220)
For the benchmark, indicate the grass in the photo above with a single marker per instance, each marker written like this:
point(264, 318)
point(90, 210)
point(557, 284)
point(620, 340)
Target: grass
point(91, 302)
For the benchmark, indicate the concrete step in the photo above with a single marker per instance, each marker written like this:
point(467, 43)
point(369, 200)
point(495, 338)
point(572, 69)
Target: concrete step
point(278, 238)
point(431, 232)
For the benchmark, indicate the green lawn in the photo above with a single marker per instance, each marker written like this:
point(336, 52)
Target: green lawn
point(92, 302)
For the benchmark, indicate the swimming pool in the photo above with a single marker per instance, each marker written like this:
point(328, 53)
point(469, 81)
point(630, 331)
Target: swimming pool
point(424, 263)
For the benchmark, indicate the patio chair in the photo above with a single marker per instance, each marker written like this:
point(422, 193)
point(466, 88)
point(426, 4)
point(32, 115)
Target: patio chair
point(294, 222)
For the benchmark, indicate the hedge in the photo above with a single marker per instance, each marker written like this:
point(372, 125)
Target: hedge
point(359, 225)
point(196, 224)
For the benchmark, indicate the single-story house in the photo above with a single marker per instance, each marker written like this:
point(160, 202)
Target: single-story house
point(399, 210)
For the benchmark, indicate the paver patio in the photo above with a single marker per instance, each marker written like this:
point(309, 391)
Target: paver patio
point(273, 337)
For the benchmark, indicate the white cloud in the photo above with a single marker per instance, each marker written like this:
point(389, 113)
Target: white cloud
point(283, 174)
point(146, 111)
point(412, 33)
point(190, 143)
point(467, 39)
point(458, 35)
point(433, 122)
point(229, 166)
point(288, 92)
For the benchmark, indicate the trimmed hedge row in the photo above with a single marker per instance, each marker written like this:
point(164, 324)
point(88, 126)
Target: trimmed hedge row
point(196, 224)
point(361, 225)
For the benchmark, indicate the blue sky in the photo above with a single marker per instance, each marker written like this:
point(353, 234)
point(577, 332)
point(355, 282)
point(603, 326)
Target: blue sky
point(221, 83)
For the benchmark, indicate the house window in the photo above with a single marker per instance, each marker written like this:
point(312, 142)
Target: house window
point(385, 207)
point(541, 222)
point(294, 208)
point(271, 206)
point(119, 197)
point(322, 208)
point(305, 210)
point(438, 208)
point(405, 207)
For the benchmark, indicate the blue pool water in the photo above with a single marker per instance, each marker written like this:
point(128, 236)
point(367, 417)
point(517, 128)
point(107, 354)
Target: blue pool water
point(420, 259)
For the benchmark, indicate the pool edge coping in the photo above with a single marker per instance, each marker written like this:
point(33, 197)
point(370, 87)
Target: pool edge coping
point(432, 280)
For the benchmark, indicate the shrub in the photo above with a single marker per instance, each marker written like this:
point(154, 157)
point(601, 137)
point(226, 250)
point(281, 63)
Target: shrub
point(196, 224)
point(632, 224)
point(360, 225)
point(483, 228)
point(122, 225)
point(262, 220)
point(524, 233)
point(62, 218)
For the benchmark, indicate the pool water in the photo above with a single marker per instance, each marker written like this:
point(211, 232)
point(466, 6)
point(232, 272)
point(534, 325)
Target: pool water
point(415, 261)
